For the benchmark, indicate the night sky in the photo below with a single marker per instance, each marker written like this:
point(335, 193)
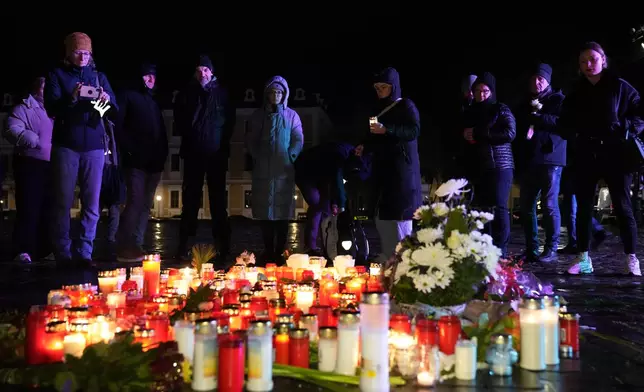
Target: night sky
point(335, 59)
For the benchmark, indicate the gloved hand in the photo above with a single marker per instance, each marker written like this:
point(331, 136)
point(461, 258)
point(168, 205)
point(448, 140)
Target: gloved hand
point(29, 139)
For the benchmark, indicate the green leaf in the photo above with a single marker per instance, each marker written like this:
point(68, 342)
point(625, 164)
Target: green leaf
point(455, 221)
point(65, 382)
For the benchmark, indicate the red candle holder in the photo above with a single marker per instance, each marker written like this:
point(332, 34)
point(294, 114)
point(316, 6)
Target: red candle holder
point(308, 275)
point(160, 323)
point(449, 329)
point(400, 323)
point(427, 332)
point(230, 297)
point(35, 330)
point(281, 343)
point(53, 343)
point(324, 314)
point(298, 348)
point(258, 305)
point(230, 377)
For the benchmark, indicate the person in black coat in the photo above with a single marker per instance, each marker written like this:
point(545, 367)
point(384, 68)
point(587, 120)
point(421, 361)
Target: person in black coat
point(393, 141)
point(544, 156)
point(143, 140)
point(599, 114)
point(490, 127)
point(319, 175)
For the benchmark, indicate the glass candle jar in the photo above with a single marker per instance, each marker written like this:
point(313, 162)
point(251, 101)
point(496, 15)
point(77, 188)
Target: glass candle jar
point(465, 366)
point(281, 343)
point(374, 269)
point(204, 368)
point(374, 335)
point(184, 335)
point(53, 342)
point(151, 276)
point(449, 330)
point(500, 355)
point(234, 312)
point(145, 336)
point(325, 315)
point(551, 321)
point(137, 275)
point(276, 307)
point(533, 334)
point(348, 343)
point(260, 356)
point(74, 344)
point(298, 348)
point(426, 332)
point(569, 335)
point(327, 349)
point(231, 363)
point(429, 366)
point(310, 323)
point(400, 323)
point(35, 334)
point(107, 281)
point(304, 297)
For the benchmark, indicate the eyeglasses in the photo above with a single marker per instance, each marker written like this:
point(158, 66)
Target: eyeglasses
point(82, 53)
point(486, 91)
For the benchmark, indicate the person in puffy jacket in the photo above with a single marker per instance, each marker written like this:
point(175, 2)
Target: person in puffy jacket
point(29, 129)
point(490, 127)
point(76, 94)
point(598, 116)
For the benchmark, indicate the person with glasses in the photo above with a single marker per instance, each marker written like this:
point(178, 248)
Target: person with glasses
point(490, 127)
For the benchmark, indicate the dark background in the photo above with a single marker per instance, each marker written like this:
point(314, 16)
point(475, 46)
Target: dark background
point(334, 55)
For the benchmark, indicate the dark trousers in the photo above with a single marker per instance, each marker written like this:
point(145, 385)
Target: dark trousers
point(141, 186)
point(493, 192)
point(569, 207)
point(32, 177)
point(619, 186)
point(214, 168)
point(274, 233)
point(316, 195)
point(541, 180)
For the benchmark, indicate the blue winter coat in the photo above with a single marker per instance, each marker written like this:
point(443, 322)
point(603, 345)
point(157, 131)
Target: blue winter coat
point(274, 140)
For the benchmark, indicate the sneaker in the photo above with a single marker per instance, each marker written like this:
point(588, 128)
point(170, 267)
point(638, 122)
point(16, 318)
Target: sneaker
point(632, 266)
point(23, 258)
point(582, 265)
point(131, 255)
point(549, 255)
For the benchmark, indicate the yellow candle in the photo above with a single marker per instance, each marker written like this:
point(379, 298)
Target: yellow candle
point(74, 344)
point(151, 277)
point(107, 281)
point(304, 297)
point(116, 300)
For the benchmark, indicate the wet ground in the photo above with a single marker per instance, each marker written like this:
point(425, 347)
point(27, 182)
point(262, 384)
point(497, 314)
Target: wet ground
point(610, 305)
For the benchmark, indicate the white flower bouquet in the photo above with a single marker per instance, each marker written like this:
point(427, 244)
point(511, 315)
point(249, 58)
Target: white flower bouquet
point(447, 259)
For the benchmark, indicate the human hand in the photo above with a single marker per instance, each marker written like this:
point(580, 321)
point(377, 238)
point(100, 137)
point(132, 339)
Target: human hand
point(377, 128)
point(105, 97)
point(76, 91)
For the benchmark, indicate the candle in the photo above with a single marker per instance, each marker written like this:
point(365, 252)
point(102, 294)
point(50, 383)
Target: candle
point(101, 330)
point(121, 277)
point(425, 379)
point(116, 300)
point(151, 276)
point(374, 270)
point(204, 375)
point(328, 287)
point(35, 334)
point(136, 274)
point(231, 364)
point(449, 329)
point(551, 321)
point(533, 334)
point(74, 344)
point(325, 315)
point(400, 323)
point(355, 287)
point(348, 344)
point(304, 297)
point(374, 334)
point(341, 263)
point(310, 323)
point(260, 357)
point(184, 335)
point(107, 281)
point(182, 286)
point(298, 348)
point(271, 269)
point(327, 349)
point(53, 341)
point(466, 360)
point(429, 366)
point(281, 343)
point(569, 335)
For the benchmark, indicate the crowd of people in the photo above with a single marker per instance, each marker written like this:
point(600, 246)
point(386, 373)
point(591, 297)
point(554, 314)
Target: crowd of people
point(73, 129)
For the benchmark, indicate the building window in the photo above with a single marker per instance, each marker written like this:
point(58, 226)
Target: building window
point(175, 163)
point(174, 199)
point(248, 195)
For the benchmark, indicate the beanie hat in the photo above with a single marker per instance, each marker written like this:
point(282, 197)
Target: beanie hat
point(487, 79)
point(545, 71)
point(276, 86)
point(148, 69)
point(466, 84)
point(77, 41)
point(204, 61)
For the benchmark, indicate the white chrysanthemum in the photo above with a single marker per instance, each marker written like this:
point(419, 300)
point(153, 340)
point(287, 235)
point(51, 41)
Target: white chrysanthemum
point(402, 269)
point(475, 214)
point(440, 209)
point(424, 283)
point(419, 212)
point(487, 216)
point(429, 236)
point(486, 239)
point(434, 255)
point(398, 247)
point(491, 261)
point(479, 224)
point(451, 188)
point(443, 276)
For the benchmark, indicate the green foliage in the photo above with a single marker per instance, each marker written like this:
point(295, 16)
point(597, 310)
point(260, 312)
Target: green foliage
point(121, 366)
point(455, 221)
point(483, 331)
point(202, 294)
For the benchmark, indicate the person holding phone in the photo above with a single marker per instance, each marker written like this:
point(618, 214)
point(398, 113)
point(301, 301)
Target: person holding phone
point(72, 90)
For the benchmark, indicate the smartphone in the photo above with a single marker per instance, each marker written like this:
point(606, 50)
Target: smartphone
point(89, 92)
point(373, 120)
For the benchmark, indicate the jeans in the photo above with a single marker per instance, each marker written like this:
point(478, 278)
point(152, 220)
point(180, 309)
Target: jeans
point(274, 233)
point(113, 218)
point(317, 197)
point(214, 168)
point(494, 193)
point(569, 207)
point(619, 185)
point(141, 187)
point(69, 167)
point(544, 180)
point(32, 177)
point(391, 232)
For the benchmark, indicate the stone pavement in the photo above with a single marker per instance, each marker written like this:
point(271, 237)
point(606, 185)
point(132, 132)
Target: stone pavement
point(610, 305)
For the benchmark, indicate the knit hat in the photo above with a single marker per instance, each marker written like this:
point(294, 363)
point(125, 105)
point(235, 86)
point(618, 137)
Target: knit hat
point(77, 41)
point(204, 61)
point(545, 71)
point(148, 69)
point(276, 86)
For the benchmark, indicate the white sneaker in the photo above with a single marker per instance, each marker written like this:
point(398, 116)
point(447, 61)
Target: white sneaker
point(23, 258)
point(582, 265)
point(632, 265)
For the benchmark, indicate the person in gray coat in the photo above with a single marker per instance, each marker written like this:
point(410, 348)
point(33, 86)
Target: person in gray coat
point(274, 140)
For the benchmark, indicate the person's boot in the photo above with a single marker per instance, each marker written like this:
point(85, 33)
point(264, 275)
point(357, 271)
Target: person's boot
point(530, 256)
point(549, 254)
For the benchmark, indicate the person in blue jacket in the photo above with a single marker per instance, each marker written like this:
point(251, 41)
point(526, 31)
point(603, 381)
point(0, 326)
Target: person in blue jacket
point(74, 93)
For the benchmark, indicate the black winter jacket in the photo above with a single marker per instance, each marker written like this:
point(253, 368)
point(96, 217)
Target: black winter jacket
point(494, 130)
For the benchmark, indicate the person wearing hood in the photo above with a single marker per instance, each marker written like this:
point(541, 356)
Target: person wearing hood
point(395, 172)
point(274, 140)
point(205, 118)
point(544, 159)
point(143, 141)
point(75, 95)
point(29, 129)
point(600, 115)
point(490, 127)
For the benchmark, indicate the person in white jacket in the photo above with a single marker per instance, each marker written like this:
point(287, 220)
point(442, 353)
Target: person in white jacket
point(29, 129)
